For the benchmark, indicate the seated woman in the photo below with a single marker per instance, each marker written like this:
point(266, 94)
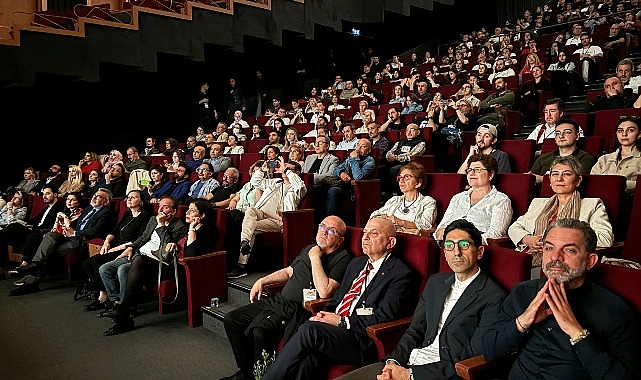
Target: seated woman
point(73, 183)
point(297, 153)
point(335, 104)
point(412, 105)
point(176, 158)
point(625, 160)
point(398, 96)
point(114, 180)
point(201, 239)
point(411, 212)
point(258, 132)
point(93, 183)
point(482, 204)
point(233, 147)
point(565, 177)
point(291, 139)
point(158, 177)
point(29, 181)
point(129, 228)
point(90, 161)
point(13, 211)
point(70, 213)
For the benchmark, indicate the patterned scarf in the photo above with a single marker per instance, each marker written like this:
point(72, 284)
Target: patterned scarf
point(549, 214)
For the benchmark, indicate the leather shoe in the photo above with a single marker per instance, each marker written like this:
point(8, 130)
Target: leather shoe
point(29, 269)
point(97, 305)
point(27, 288)
point(121, 327)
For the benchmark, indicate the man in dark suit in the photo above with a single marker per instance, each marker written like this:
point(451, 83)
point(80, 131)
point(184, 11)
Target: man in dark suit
point(377, 287)
point(95, 221)
point(452, 315)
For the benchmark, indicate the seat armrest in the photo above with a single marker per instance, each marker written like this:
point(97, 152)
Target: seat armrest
point(502, 241)
point(427, 232)
point(468, 367)
point(379, 330)
point(273, 288)
point(316, 305)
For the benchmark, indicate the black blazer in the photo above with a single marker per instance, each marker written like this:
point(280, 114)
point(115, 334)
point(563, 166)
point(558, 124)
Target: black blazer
point(391, 294)
point(464, 327)
point(98, 226)
point(50, 220)
point(171, 233)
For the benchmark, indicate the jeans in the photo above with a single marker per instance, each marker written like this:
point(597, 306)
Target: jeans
point(114, 277)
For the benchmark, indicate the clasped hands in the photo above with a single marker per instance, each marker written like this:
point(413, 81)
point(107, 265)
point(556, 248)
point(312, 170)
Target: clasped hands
point(553, 295)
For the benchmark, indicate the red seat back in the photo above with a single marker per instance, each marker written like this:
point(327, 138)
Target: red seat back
point(521, 153)
point(590, 144)
point(519, 187)
point(442, 187)
point(605, 124)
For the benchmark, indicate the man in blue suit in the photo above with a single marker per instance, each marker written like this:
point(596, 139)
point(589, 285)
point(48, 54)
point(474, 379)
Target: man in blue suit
point(454, 312)
point(377, 287)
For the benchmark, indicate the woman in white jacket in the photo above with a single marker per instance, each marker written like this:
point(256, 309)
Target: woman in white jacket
point(565, 177)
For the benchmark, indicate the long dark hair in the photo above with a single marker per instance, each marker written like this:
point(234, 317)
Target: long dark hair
point(637, 143)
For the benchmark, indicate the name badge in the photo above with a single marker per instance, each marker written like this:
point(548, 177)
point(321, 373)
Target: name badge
point(365, 311)
point(309, 295)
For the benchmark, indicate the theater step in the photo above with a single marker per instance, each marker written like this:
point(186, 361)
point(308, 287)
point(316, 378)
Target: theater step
point(238, 295)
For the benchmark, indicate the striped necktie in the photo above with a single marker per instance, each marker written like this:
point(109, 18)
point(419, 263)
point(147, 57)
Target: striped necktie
point(346, 304)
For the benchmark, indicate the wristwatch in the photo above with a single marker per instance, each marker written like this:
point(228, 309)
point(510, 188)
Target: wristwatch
point(342, 323)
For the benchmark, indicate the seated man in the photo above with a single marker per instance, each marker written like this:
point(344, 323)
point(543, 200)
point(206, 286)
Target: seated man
point(377, 287)
point(261, 324)
point(566, 136)
point(402, 152)
point(613, 98)
point(321, 163)
point(278, 195)
point(205, 184)
point(178, 187)
point(486, 138)
point(197, 158)
point(216, 158)
point(273, 139)
point(491, 108)
point(349, 138)
point(467, 299)
point(359, 165)
point(566, 326)
point(95, 221)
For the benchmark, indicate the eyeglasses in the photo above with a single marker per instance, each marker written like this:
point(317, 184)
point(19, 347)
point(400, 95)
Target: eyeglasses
point(319, 143)
point(404, 178)
point(225, 176)
point(463, 245)
point(466, 87)
point(328, 230)
point(564, 132)
point(474, 170)
point(200, 170)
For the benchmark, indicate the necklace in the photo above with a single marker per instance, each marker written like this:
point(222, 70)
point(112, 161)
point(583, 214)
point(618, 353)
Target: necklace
point(406, 207)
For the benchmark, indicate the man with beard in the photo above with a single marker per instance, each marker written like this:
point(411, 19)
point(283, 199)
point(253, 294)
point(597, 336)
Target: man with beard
point(261, 324)
point(566, 326)
point(485, 141)
point(177, 188)
point(491, 109)
point(221, 195)
point(54, 180)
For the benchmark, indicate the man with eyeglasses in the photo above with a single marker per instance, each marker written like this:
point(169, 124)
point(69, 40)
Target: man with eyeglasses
point(566, 135)
point(95, 221)
point(442, 332)
point(403, 151)
point(221, 196)
point(278, 195)
point(321, 163)
point(134, 162)
point(318, 269)
point(486, 138)
point(377, 287)
point(205, 184)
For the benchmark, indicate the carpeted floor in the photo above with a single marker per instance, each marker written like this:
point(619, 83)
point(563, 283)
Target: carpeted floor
point(47, 335)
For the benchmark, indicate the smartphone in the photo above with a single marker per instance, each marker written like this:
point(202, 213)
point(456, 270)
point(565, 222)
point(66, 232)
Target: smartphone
point(144, 182)
point(272, 164)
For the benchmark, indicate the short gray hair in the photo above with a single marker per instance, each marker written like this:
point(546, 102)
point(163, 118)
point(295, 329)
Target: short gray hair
point(570, 161)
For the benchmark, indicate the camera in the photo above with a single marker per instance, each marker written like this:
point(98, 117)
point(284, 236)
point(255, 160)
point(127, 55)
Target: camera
point(272, 164)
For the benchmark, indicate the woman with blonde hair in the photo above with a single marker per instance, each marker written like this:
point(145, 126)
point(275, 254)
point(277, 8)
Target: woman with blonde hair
point(113, 158)
point(531, 60)
point(73, 183)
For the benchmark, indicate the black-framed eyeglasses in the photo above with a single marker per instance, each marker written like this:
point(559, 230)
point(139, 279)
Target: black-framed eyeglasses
point(463, 245)
point(474, 170)
point(328, 230)
point(201, 170)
